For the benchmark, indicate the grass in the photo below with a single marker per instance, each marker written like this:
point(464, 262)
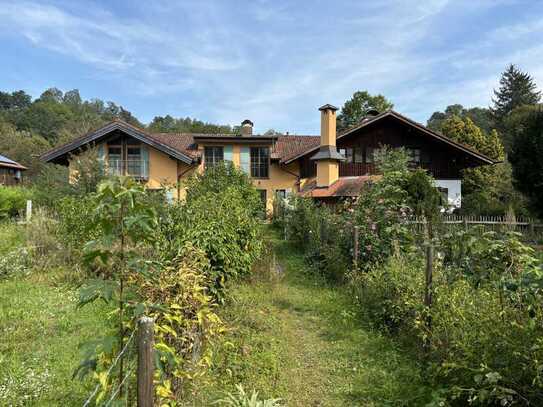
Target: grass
point(295, 337)
point(40, 331)
point(291, 336)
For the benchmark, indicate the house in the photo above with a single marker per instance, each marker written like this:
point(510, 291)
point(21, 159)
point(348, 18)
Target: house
point(11, 172)
point(326, 167)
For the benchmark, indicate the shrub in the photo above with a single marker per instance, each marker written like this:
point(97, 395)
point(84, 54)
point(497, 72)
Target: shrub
point(220, 217)
point(242, 399)
point(391, 293)
point(17, 262)
point(13, 200)
point(185, 321)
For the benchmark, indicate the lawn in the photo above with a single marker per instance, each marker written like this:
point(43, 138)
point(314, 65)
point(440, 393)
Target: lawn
point(295, 337)
point(291, 335)
point(40, 330)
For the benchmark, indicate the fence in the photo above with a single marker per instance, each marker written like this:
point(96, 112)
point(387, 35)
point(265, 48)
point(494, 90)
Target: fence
point(144, 368)
point(531, 229)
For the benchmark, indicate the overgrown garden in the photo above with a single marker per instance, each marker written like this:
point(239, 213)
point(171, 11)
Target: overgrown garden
point(472, 311)
point(131, 254)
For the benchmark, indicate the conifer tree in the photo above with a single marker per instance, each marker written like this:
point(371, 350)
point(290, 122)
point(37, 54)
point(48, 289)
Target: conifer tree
point(517, 88)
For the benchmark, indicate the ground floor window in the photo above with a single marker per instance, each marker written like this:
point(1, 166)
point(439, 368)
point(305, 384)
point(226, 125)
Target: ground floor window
point(260, 162)
point(213, 155)
point(352, 154)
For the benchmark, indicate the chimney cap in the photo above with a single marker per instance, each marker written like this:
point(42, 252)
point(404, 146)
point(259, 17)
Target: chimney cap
point(247, 121)
point(328, 107)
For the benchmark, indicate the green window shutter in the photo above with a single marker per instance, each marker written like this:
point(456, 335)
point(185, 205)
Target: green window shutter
point(227, 153)
point(245, 159)
point(101, 152)
point(145, 161)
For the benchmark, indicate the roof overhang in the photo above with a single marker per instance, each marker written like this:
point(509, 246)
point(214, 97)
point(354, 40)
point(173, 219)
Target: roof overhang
point(103, 132)
point(390, 113)
point(328, 153)
point(4, 164)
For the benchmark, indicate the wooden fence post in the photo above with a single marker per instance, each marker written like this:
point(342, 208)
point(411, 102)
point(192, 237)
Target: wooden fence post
point(465, 223)
point(428, 297)
point(355, 248)
point(146, 362)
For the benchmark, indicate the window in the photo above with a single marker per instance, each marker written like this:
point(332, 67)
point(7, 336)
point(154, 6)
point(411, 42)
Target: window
point(213, 156)
point(134, 165)
point(115, 165)
point(281, 193)
point(260, 162)
point(414, 155)
point(352, 154)
point(370, 155)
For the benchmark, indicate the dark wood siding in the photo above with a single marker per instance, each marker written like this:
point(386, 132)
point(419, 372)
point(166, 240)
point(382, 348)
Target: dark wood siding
point(442, 161)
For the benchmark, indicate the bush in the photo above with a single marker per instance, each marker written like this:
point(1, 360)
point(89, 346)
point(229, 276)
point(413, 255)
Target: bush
point(13, 200)
point(17, 262)
point(220, 217)
point(242, 399)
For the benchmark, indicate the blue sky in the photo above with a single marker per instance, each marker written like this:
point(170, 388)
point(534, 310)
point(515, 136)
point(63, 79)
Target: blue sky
point(274, 62)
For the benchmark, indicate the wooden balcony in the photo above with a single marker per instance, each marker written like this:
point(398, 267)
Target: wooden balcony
point(444, 171)
point(138, 169)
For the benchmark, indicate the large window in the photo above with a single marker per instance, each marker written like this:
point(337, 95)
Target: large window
point(260, 162)
point(352, 154)
point(213, 156)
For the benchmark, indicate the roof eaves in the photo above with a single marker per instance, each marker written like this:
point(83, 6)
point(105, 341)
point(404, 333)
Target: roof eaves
point(116, 125)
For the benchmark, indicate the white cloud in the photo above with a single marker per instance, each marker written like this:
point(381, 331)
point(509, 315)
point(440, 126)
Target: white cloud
point(275, 62)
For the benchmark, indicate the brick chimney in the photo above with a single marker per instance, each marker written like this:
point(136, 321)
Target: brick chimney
point(246, 128)
point(328, 157)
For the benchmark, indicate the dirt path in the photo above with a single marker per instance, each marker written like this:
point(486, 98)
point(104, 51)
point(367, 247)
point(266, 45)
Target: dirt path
point(300, 340)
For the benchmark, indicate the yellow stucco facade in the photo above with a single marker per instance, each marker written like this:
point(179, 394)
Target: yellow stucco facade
point(327, 172)
point(169, 173)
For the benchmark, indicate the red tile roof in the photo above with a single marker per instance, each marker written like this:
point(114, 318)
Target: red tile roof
point(284, 147)
point(343, 187)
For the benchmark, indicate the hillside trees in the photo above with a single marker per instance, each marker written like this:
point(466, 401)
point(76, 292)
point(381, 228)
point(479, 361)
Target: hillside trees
point(169, 124)
point(482, 117)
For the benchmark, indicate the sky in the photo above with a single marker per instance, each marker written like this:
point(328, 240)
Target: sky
point(274, 62)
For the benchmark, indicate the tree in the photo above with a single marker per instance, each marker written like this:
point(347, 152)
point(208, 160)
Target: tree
point(23, 147)
point(517, 88)
point(169, 124)
point(16, 100)
point(466, 132)
point(488, 189)
point(356, 108)
point(482, 117)
point(526, 153)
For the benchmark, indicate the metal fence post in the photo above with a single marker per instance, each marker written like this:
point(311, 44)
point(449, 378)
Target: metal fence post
point(146, 369)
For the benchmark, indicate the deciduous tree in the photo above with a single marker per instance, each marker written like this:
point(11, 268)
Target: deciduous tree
point(356, 108)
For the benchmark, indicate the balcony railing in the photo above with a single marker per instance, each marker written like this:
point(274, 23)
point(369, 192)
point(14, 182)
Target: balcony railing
point(445, 170)
point(132, 168)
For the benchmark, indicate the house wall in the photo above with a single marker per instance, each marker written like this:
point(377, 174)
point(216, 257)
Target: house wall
point(162, 170)
point(454, 190)
point(280, 176)
point(442, 161)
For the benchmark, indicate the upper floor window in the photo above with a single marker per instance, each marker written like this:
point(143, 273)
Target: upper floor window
point(352, 154)
point(213, 155)
point(414, 155)
point(260, 162)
